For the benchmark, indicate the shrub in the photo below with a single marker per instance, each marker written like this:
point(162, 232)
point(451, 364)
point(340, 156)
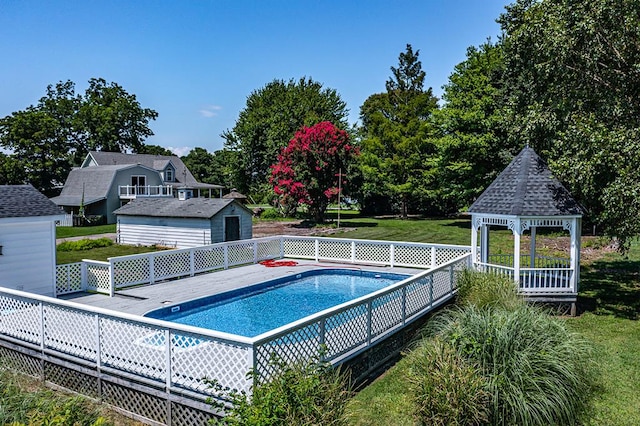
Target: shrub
point(304, 393)
point(445, 388)
point(536, 371)
point(86, 244)
point(271, 214)
point(484, 290)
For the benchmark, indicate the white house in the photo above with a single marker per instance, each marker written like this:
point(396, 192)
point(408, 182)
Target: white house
point(28, 240)
point(183, 223)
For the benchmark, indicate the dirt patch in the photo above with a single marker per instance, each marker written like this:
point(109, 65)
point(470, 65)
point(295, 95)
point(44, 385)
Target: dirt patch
point(297, 228)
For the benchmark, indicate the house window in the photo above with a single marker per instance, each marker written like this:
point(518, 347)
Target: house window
point(169, 175)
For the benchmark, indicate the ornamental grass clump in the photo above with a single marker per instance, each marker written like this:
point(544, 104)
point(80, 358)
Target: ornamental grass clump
point(445, 387)
point(482, 290)
point(536, 371)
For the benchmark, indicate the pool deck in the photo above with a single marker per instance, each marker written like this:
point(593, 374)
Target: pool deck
point(142, 299)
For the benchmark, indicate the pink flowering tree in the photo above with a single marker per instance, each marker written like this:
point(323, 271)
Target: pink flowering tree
point(307, 170)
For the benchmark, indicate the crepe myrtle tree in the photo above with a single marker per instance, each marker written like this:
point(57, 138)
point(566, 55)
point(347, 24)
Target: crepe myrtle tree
point(310, 169)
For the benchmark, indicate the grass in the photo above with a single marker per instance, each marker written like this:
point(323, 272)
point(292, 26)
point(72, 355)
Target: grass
point(81, 231)
point(101, 253)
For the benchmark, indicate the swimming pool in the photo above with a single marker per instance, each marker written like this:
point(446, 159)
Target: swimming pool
point(262, 307)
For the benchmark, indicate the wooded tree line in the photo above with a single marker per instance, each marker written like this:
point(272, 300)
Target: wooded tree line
point(564, 77)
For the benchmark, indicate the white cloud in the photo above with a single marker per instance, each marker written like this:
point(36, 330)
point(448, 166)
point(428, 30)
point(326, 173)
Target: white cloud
point(180, 151)
point(209, 111)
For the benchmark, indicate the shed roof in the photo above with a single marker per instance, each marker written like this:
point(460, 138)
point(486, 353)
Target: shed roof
point(25, 201)
point(526, 187)
point(201, 208)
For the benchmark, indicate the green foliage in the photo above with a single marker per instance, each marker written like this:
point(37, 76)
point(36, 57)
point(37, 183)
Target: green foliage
point(271, 214)
point(573, 80)
point(270, 119)
point(86, 244)
point(395, 151)
point(446, 388)
point(487, 290)
point(303, 393)
point(48, 139)
point(537, 371)
point(216, 168)
point(43, 407)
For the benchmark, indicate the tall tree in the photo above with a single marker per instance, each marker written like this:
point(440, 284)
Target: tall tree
point(573, 73)
point(46, 140)
point(215, 168)
point(270, 119)
point(473, 147)
point(309, 169)
point(395, 146)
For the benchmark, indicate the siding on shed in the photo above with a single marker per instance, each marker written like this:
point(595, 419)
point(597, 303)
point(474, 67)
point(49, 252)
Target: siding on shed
point(28, 255)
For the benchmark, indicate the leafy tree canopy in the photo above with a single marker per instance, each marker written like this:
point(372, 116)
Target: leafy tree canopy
point(309, 170)
point(270, 119)
point(395, 148)
point(215, 168)
point(47, 139)
point(572, 69)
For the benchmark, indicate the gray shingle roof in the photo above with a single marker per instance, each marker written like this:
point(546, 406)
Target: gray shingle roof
point(157, 162)
point(95, 181)
point(25, 201)
point(203, 208)
point(526, 188)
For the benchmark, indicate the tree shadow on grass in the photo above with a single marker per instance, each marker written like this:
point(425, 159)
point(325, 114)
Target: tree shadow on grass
point(611, 288)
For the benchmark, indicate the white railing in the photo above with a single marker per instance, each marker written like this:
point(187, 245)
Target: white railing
point(525, 261)
point(536, 280)
point(179, 358)
point(67, 221)
point(133, 191)
point(148, 268)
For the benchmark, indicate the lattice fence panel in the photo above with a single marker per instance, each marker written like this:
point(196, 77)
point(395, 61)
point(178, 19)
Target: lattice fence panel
point(240, 254)
point(386, 312)
point(305, 249)
point(441, 284)
point(20, 362)
point(69, 278)
point(373, 253)
point(208, 259)
point(71, 379)
point(339, 250)
point(20, 319)
point(132, 271)
point(98, 277)
point(182, 415)
point(418, 295)
point(135, 401)
point(70, 331)
point(298, 345)
point(268, 249)
point(133, 347)
point(447, 254)
point(196, 358)
point(410, 255)
point(171, 264)
point(345, 331)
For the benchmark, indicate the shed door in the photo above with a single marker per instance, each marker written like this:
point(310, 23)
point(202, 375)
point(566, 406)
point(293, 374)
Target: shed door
point(231, 228)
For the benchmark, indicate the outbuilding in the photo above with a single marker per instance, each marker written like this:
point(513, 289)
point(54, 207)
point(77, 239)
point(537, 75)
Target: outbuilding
point(28, 239)
point(180, 223)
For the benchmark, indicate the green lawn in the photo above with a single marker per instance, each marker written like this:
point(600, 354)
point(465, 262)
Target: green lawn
point(102, 253)
point(80, 231)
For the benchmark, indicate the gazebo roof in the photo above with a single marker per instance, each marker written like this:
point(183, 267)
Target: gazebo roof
point(526, 188)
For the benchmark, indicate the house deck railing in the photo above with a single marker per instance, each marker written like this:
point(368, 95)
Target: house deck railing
point(133, 191)
point(147, 268)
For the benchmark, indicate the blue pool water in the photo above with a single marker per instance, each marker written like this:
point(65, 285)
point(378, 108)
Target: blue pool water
point(265, 306)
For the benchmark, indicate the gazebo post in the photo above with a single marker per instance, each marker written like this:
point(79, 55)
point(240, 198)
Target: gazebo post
point(532, 247)
point(474, 242)
point(516, 250)
point(484, 243)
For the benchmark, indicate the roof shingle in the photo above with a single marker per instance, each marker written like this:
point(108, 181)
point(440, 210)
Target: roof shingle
point(202, 208)
point(25, 201)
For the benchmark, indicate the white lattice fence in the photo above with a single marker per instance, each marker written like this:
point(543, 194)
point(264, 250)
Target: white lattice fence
point(371, 252)
point(131, 271)
point(69, 278)
point(98, 276)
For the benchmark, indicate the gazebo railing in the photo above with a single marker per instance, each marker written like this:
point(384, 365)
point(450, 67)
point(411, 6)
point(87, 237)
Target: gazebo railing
point(536, 280)
point(525, 261)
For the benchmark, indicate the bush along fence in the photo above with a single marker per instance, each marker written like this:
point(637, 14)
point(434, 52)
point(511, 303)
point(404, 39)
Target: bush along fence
point(161, 372)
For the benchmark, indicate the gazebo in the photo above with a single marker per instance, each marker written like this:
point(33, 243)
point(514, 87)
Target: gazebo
point(524, 197)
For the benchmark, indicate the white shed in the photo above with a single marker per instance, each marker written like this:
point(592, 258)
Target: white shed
point(180, 223)
point(28, 240)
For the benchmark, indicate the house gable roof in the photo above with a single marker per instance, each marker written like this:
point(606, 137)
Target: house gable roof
point(199, 208)
point(95, 182)
point(157, 162)
point(25, 201)
point(526, 187)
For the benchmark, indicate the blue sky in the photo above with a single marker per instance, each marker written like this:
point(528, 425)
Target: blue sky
point(195, 62)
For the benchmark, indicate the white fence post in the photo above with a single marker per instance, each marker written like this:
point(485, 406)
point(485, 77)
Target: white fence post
point(255, 252)
point(317, 248)
point(112, 283)
point(369, 308)
point(225, 250)
point(392, 254)
point(152, 269)
point(192, 262)
point(433, 257)
point(167, 345)
point(281, 247)
point(353, 252)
